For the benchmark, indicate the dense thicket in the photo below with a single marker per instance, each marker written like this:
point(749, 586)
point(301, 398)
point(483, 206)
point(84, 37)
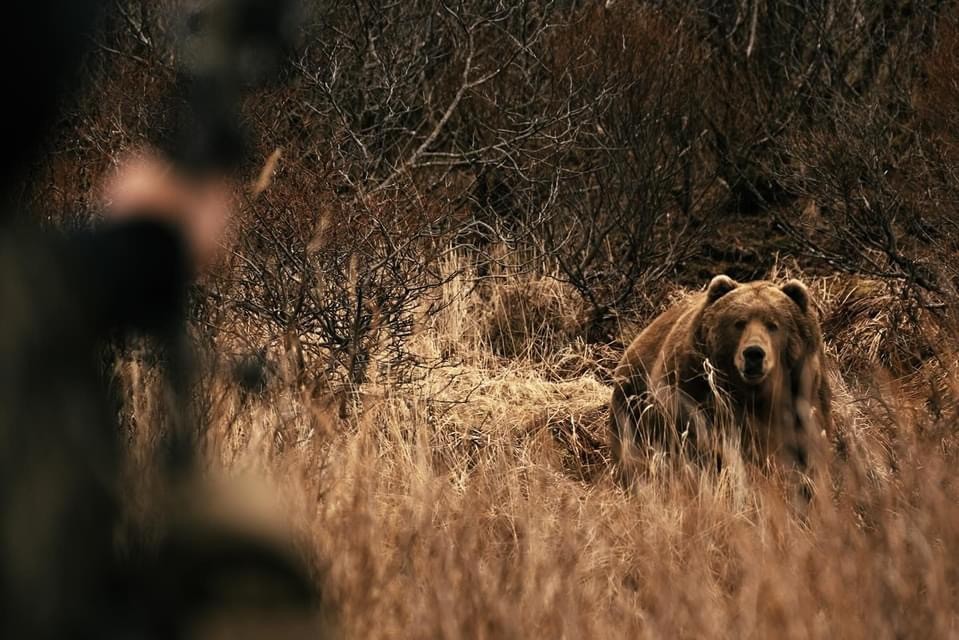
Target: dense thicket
point(622, 148)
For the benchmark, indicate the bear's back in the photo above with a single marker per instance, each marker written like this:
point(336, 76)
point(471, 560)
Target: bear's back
point(658, 339)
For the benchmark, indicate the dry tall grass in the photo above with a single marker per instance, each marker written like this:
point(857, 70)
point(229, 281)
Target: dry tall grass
point(477, 503)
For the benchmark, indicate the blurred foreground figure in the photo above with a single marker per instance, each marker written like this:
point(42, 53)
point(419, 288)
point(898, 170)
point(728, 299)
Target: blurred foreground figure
point(61, 298)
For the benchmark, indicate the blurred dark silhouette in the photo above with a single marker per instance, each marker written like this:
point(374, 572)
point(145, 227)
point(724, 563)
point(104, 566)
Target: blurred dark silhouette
point(42, 48)
point(63, 297)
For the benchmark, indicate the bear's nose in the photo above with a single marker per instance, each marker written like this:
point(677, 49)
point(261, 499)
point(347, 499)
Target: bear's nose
point(753, 357)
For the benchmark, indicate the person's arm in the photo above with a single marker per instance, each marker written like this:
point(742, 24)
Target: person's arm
point(162, 226)
point(130, 275)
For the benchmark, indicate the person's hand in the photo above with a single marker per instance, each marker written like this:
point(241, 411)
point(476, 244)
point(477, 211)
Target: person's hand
point(147, 187)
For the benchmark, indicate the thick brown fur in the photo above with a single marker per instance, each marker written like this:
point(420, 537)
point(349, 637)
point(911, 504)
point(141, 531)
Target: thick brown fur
point(685, 378)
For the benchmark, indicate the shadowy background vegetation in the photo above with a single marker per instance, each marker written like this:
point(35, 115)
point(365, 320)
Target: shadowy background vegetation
point(458, 215)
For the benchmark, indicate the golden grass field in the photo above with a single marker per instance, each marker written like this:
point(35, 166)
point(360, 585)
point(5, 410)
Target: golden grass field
point(478, 502)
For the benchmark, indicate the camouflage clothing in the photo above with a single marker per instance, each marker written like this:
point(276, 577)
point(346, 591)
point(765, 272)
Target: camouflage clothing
point(60, 298)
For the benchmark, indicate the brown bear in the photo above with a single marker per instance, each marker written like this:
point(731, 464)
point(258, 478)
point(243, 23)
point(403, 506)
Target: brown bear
point(743, 356)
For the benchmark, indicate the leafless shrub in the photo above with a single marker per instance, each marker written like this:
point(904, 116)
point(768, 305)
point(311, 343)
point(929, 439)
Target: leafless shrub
point(780, 67)
point(630, 201)
point(866, 211)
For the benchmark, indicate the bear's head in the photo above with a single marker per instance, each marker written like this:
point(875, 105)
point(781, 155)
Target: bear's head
point(754, 332)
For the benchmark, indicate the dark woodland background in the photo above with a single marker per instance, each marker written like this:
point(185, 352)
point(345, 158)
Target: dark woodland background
point(622, 148)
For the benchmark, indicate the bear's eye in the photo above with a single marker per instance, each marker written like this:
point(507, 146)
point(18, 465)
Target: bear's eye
point(740, 325)
point(772, 326)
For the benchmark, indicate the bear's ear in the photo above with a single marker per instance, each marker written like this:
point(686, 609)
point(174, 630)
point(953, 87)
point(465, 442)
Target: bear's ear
point(798, 292)
point(718, 287)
